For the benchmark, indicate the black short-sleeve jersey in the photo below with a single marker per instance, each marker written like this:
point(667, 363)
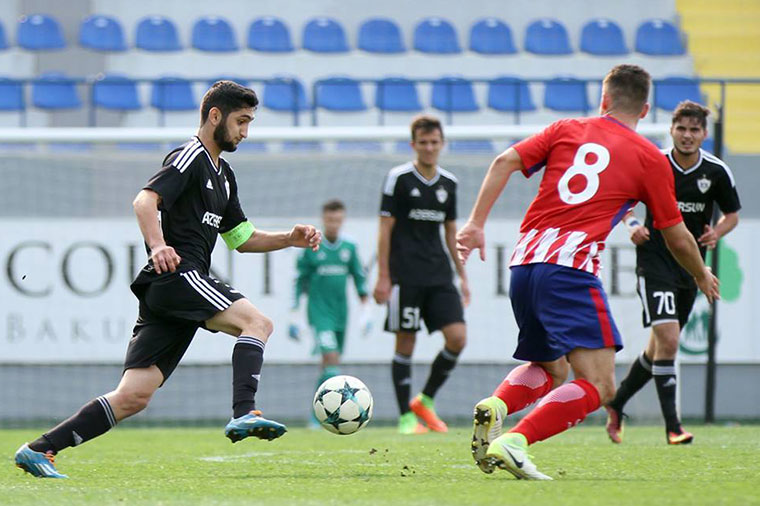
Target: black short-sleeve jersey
point(417, 256)
point(198, 201)
point(709, 181)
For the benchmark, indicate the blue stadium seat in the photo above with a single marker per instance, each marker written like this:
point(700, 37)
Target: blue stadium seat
point(380, 35)
point(509, 94)
point(102, 33)
point(252, 147)
point(241, 82)
point(270, 35)
point(491, 36)
point(547, 36)
point(157, 33)
point(116, 92)
point(669, 92)
point(302, 146)
point(359, 146)
point(39, 32)
point(659, 37)
point(285, 94)
point(471, 146)
point(215, 34)
point(709, 145)
point(339, 94)
point(453, 94)
point(172, 94)
point(566, 94)
point(3, 38)
point(324, 35)
point(603, 37)
point(55, 90)
point(11, 95)
point(397, 94)
point(436, 35)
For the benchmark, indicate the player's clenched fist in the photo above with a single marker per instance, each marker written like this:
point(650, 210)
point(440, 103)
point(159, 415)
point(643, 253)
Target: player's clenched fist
point(165, 259)
point(305, 236)
point(469, 238)
point(639, 235)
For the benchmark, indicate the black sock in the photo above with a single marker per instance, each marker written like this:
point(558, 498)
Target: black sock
point(401, 370)
point(664, 372)
point(247, 357)
point(439, 372)
point(638, 375)
point(93, 419)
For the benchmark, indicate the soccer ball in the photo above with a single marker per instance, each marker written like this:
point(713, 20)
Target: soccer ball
point(343, 405)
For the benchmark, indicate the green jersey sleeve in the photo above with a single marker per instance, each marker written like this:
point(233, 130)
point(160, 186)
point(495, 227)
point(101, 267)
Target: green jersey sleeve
point(358, 272)
point(304, 270)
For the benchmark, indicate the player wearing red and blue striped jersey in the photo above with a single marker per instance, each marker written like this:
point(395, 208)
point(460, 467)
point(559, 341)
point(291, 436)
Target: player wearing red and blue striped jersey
point(594, 170)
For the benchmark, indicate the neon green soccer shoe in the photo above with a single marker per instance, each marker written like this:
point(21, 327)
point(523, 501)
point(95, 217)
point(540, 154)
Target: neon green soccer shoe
point(487, 421)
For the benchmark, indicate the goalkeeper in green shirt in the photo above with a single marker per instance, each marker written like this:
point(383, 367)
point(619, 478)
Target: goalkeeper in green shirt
point(322, 276)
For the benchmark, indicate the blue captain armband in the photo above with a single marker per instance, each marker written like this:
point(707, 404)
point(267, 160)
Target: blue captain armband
point(237, 236)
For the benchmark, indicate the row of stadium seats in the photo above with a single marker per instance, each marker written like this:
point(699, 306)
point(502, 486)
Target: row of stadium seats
point(326, 35)
point(56, 90)
point(402, 147)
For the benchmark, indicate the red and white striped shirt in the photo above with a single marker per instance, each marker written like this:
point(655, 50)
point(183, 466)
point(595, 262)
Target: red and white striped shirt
point(596, 169)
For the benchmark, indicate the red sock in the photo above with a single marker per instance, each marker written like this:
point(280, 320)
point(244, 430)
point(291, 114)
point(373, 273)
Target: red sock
point(565, 407)
point(523, 386)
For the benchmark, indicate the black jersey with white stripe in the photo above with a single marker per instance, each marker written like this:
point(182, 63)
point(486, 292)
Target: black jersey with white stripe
point(420, 206)
point(198, 201)
point(698, 188)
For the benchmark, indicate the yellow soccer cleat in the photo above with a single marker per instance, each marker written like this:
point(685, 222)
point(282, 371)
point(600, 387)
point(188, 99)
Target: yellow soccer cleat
point(487, 422)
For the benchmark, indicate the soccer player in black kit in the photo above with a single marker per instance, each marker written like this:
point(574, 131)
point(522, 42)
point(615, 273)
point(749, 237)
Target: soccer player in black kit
point(414, 272)
point(667, 291)
point(181, 210)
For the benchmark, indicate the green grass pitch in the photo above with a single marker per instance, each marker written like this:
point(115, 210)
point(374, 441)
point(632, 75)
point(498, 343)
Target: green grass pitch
point(377, 467)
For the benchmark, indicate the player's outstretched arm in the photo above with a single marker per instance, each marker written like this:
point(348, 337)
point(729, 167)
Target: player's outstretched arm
point(684, 248)
point(165, 259)
point(300, 236)
point(471, 236)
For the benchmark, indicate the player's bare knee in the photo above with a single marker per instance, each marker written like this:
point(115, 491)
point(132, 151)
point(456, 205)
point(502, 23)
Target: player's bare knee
point(257, 325)
point(131, 402)
point(405, 343)
point(667, 347)
point(456, 343)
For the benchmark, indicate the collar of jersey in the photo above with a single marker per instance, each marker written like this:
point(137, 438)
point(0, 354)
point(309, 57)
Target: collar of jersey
point(422, 178)
point(616, 121)
point(218, 170)
point(681, 169)
point(331, 245)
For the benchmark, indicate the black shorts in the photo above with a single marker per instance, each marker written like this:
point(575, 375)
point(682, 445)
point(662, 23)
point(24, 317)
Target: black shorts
point(172, 308)
point(438, 306)
point(665, 302)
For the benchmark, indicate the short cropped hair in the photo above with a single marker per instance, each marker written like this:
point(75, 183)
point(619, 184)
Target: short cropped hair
point(227, 97)
point(689, 109)
point(426, 123)
point(628, 88)
point(333, 205)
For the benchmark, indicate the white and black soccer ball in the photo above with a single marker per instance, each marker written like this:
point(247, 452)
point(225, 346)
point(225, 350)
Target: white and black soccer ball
point(343, 405)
